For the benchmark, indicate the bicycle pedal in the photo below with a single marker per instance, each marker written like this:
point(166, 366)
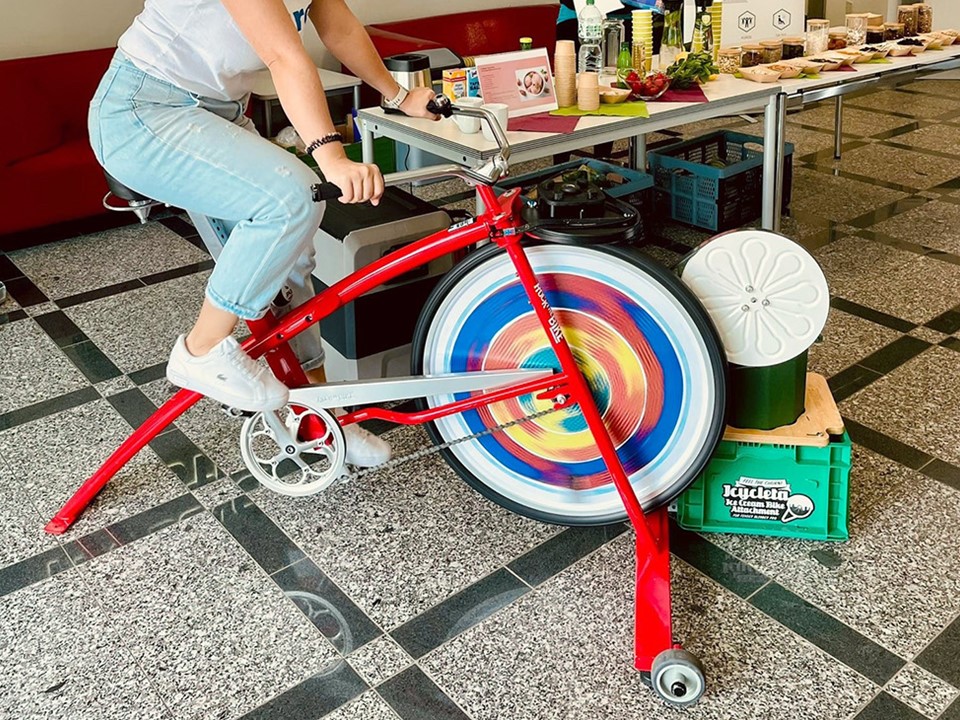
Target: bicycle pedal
point(235, 413)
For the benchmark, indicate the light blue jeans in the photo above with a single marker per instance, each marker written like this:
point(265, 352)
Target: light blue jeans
point(204, 155)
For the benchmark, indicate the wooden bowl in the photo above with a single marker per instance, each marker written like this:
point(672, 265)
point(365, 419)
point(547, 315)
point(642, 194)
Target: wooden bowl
point(612, 95)
point(760, 74)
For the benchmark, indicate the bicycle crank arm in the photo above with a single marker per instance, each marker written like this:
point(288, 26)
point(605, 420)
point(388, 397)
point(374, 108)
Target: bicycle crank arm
point(366, 392)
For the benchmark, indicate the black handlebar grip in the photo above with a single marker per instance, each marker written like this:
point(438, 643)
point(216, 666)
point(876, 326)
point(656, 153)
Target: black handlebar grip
point(325, 191)
point(440, 105)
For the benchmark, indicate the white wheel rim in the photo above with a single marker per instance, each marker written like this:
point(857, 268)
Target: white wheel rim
point(766, 295)
point(671, 674)
point(321, 460)
point(478, 294)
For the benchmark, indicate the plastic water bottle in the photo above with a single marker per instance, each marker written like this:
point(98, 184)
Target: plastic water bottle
point(590, 30)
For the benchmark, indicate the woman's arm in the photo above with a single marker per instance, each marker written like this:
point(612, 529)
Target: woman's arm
point(344, 36)
point(267, 26)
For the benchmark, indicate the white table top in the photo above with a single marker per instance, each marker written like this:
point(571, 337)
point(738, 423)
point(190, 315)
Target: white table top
point(727, 95)
point(263, 87)
point(866, 71)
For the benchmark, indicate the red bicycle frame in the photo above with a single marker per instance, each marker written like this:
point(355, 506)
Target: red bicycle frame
point(502, 224)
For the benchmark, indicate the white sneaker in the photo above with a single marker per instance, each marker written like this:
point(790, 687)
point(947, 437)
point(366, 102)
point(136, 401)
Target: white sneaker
point(228, 375)
point(364, 449)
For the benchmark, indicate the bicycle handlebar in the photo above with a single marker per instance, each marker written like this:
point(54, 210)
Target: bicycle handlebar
point(487, 173)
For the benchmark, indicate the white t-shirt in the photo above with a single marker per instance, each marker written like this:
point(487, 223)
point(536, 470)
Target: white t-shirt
point(197, 46)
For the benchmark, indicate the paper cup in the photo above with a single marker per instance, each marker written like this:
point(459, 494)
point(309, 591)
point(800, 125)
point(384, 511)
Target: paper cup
point(565, 48)
point(502, 113)
point(468, 125)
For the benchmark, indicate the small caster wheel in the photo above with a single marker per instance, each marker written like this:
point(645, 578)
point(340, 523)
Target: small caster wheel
point(677, 677)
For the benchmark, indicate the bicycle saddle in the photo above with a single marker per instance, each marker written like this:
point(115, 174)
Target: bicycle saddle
point(122, 191)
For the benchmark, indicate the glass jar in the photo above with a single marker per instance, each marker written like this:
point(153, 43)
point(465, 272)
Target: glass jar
point(837, 40)
point(752, 56)
point(672, 44)
point(856, 29)
point(772, 51)
point(908, 15)
point(818, 35)
point(924, 18)
point(892, 31)
point(793, 48)
point(729, 60)
point(874, 34)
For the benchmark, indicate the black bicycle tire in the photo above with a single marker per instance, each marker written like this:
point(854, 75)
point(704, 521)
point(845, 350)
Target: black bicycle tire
point(672, 284)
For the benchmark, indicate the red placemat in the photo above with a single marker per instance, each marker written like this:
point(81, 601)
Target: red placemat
point(847, 68)
point(692, 94)
point(543, 122)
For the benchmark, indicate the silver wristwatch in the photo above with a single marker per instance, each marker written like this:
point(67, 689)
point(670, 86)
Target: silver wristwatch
point(398, 100)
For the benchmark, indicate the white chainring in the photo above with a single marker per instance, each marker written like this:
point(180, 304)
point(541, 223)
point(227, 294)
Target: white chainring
point(290, 465)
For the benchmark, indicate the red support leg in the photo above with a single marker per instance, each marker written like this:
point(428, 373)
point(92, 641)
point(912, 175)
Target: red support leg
point(653, 631)
point(153, 426)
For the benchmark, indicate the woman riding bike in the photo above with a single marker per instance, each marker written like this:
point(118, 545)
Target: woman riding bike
point(168, 121)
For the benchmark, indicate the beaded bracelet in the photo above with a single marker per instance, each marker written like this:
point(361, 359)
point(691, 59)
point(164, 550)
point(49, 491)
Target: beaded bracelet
point(332, 137)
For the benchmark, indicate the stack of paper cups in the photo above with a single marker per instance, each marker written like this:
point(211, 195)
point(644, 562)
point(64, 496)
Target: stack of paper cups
point(565, 73)
point(716, 16)
point(643, 32)
point(588, 91)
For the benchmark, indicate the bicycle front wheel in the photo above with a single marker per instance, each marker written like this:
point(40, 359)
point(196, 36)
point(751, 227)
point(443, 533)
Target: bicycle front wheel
point(647, 349)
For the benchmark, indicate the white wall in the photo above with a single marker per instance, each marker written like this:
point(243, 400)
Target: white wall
point(45, 27)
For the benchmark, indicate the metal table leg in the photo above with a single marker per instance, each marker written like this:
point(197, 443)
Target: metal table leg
point(838, 128)
point(774, 121)
point(366, 138)
point(638, 152)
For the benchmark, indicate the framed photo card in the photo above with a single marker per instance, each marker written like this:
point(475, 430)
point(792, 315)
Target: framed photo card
point(521, 80)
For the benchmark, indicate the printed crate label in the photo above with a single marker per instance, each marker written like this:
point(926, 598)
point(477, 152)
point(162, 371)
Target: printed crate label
point(761, 499)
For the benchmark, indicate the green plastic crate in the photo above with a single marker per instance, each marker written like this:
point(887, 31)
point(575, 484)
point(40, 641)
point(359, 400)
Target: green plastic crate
point(783, 490)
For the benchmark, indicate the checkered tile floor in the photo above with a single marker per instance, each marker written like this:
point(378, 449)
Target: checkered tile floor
point(188, 591)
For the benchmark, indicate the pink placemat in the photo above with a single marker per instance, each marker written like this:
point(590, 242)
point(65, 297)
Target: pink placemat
point(543, 122)
point(847, 68)
point(692, 94)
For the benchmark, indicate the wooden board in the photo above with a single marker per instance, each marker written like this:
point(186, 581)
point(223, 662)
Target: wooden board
point(820, 420)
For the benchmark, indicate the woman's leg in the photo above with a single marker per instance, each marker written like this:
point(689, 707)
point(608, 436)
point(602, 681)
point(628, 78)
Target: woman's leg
point(185, 151)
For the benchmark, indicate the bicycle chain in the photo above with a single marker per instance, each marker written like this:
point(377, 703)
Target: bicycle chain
point(450, 443)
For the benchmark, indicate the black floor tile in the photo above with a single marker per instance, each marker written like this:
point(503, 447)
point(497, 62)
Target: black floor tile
point(414, 696)
point(851, 380)
point(895, 354)
point(32, 570)
point(133, 406)
point(948, 322)
point(951, 343)
point(92, 362)
point(451, 617)
point(944, 472)
point(61, 329)
point(829, 634)
point(714, 562)
point(942, 656)
point(334, 614)
point(66, 230)
point(47, 407)
point(561, 551)
point(886, 707)
point(23, 290)
point(952, 712)
point(149, 374)
point(180, 226)
point(133, 528)
point(872, 315)
point(10, 317)
point(258, 534)
point(8, 270)
point(99, 293)
point(187, 460)
point(175, 273)
point(315, 697)
point(885, 445)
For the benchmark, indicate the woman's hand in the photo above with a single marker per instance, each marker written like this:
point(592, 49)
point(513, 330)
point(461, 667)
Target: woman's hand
point(415, 104)
point(358, 182)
